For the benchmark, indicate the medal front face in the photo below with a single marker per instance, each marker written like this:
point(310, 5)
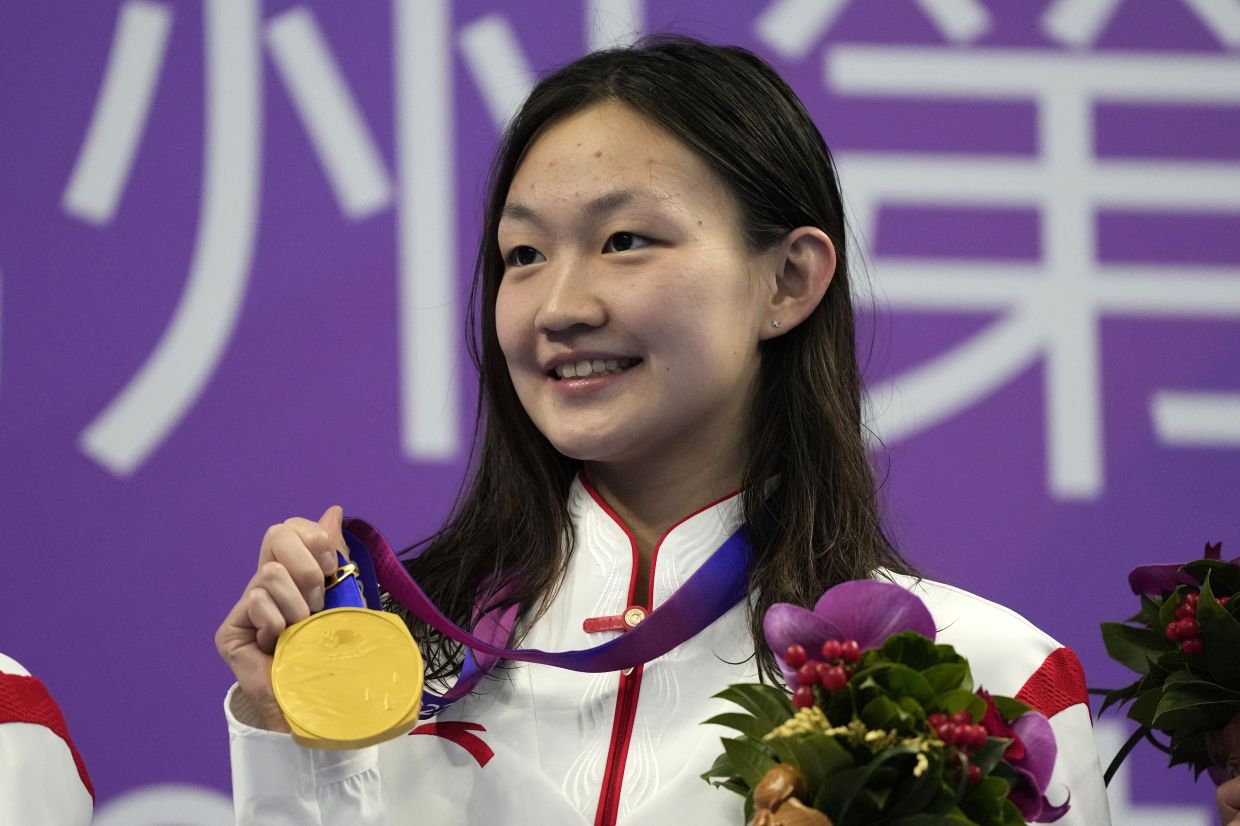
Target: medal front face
point(348, 677)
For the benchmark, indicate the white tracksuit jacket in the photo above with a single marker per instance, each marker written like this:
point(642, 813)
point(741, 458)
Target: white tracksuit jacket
point(542, 745)
point(41, 779)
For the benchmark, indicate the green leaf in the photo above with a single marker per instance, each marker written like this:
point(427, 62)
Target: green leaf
point(1134, 647)
point(816, 755)
point(915, 710)
point(1225, 577)
point(988, 755)
point(750, 760)
point(870, 771)
point(744, 723)
point(1220, 635)
point(767, 703)
point(883, 712)
point(913, 650)
point(722, 773)
point(903, 681)
point(1012, 815)
point(918, 792)
point(984, 801)
point(1009, 707)
point(1145, 706)
point(948, 819)
point(960, 700)
point(1120, 696)
point(1148, 615)
point(946, 677)
point(1195, 704)
point(1166, 611)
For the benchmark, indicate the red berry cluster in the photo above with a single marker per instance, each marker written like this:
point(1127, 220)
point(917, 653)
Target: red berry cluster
point(831, 672)
point(960, 731)
point(1184, 628)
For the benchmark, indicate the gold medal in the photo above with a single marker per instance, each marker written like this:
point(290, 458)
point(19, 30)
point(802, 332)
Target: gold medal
point(347, 678)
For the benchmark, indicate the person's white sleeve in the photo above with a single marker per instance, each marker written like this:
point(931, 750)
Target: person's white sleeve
point(1077, 770)
point(40, 779)
point(277, 782)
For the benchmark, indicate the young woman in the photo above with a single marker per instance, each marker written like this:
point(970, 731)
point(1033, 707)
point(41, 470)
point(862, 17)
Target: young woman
point(666, 354)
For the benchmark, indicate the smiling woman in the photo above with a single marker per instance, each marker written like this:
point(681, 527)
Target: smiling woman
point(660, 276)
point(667, 366)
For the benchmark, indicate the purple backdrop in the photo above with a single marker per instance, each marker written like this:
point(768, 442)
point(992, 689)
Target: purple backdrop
point(236, 244)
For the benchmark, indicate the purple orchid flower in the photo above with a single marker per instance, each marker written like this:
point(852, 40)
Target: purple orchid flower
point(864, 610)
point(1033, 769)
point(1156, 580)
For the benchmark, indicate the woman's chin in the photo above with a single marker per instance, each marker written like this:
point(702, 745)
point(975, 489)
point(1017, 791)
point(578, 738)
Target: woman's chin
point(589, 448)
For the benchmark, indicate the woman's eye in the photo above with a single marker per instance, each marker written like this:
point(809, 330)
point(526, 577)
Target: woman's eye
point(524, 256)
point(625, 241)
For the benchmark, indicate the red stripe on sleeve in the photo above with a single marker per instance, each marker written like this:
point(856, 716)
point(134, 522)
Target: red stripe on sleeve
point(25, 700)
point(1057, 684)
point(461, 734)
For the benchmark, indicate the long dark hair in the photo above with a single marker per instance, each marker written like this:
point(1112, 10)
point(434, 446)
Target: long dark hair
point(818, 523)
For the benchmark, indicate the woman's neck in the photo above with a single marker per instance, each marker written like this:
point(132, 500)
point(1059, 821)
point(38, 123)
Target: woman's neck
point(651, 500)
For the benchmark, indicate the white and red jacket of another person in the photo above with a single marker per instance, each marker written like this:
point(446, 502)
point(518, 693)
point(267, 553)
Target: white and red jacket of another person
point(538, 745)
point(42, 777)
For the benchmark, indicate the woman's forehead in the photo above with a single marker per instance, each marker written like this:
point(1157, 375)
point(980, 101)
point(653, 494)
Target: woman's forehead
point(607, 149)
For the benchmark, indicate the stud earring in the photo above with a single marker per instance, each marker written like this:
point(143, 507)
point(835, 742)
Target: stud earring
point(775, 322)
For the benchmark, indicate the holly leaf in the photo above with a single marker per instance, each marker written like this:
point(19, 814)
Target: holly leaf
point(767, 703)
point(1220, 636)
point(1145, 706)
point(750, 760)
point(1134, 647)
point(1148, 615)
point(744, 723)
point(1224, 576)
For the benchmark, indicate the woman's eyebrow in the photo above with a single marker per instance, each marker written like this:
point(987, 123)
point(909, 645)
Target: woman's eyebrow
point(595, 210)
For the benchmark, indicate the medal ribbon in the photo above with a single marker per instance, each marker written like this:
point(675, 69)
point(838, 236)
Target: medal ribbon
point(720, 583)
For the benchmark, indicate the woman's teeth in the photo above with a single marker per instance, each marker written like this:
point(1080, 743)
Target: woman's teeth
point(594, 367)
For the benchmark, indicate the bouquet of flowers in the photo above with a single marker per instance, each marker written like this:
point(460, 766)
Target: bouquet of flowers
point(883, 726)
point(1184, 644)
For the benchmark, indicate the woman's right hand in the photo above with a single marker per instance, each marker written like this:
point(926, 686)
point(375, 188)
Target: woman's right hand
point(1228, 796)
point(295, 557)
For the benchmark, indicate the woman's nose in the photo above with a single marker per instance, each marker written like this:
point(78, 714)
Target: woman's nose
point(570, 299)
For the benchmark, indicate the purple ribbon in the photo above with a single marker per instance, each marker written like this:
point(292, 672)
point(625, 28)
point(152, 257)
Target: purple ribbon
point(720, 583)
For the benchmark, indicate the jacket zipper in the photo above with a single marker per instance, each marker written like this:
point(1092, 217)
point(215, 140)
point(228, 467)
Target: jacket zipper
point(621, 733)
point(626, 707)
point(630, 683)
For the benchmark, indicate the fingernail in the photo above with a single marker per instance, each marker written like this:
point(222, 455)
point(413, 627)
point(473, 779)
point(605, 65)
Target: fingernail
point(316, 598)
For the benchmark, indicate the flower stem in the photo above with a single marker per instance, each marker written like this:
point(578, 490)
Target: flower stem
point(1136, 737)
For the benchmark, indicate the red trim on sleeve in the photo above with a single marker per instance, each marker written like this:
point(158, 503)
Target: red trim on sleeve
point(25, 700)
point(461, 734)
point(1057, 684)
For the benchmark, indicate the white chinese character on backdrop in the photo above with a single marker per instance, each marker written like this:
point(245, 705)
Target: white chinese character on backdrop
point(146, 411)
point(1049, 309)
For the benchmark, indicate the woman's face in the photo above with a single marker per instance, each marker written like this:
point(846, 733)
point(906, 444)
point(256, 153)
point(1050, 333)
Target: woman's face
point(631, 306)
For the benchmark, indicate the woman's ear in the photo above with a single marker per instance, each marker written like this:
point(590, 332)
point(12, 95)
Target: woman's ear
point(803, 269)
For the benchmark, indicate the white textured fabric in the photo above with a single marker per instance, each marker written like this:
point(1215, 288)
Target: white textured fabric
point(39, 782)
point(551, 729)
